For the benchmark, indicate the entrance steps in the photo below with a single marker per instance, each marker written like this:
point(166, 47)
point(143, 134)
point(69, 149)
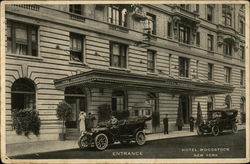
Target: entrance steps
point(72, 133)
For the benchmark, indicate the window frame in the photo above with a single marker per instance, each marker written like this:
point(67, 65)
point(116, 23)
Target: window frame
point(228, 75)
point(242, 52)
point(242, 27)
point(153, 61)
point(198, 39)
point(153, 22)
point(184, 69)
point(228, 48)
point(210, 15)
point(186, 34)
point(117, 94)
point(116, 15)
point(210, 42)
point(242, 77)
point(80, 38)
point(72, 9)
point(169, 29)
point(122, 60)
point(12, 40)
point(210, 74)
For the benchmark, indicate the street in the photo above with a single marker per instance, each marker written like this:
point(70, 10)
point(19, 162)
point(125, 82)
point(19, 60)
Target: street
point(226, 145)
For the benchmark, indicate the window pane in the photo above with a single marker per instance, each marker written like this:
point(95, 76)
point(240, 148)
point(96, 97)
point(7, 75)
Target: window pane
point(21, 33)
point(115, 49)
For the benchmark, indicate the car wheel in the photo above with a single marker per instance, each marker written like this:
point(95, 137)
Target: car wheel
point(140, 138)
point(200, 132)
point(215, 130)
point(101, 141)
point(235, 128)
point(82, 142)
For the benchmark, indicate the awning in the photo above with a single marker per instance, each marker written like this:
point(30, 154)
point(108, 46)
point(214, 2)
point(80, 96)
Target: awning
point(130, 81)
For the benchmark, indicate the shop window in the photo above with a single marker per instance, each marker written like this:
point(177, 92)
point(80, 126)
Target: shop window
point(76, 47)
point(228, 102)
point(151, 23)
point(227, 74)
point(76, 9)
point(118, 55)
point(118, 101)
point(117, 15)
point(184, 34)
point(210, 13)
point(22, 38)
point(151, 61)
point(23, 94)
point(210, 42)
point(210, 71)
point(183, 67)
point(242, 77)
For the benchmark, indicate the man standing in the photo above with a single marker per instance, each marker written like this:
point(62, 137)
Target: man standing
point(90, 121)
point(165, 122)
point(191, 123)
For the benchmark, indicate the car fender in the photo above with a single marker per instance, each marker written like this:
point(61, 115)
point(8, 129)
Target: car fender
point(136, 130)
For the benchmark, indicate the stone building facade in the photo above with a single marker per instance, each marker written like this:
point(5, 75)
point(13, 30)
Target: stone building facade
point(147, 58)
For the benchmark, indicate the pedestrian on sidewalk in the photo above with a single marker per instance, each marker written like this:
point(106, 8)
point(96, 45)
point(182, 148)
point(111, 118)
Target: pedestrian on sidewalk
point(82, 117)
point(165, 122)
point(90, 121)
point(191, 123)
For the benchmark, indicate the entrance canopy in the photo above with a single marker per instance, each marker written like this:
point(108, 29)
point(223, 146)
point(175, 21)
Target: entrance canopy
point(119, 79)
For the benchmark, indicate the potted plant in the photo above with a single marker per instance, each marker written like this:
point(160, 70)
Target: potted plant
point(123, 114)
point(26, 121)
point(179, 120)
point(199, 115)
point(63, 112)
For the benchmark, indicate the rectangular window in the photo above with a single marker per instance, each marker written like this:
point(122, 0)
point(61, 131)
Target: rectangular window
point(151, 23)
point(227, 74)
point(242, 52)
point(226, 15)
point(22, 38)
point(184, 34)
point(151, 61)
point(185, 6)
point(118, 55)
point(242, 27)
point(198, 38)
point(76, 9)
point(210, 42)
point(169, 29)
point(209, 13)
point(117, 16)
point(197, 8)
point(183, 67)
point(210, 71)
point(242, 77)
point(227, 48)
point(76, 47)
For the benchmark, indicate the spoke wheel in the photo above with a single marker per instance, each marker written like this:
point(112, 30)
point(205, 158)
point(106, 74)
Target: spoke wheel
point(235, 128)
point(101, 141)
point(82, 142)
point(199, 132)
point(140, 138)
point(215, 130)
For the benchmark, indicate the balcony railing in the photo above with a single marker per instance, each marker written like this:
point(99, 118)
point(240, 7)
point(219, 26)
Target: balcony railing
point(28, 7)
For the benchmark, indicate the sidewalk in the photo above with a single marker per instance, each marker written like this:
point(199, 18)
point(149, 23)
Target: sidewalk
point(47, 146)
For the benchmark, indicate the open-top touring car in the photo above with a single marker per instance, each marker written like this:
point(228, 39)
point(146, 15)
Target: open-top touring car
point(125, 132)
point(218, 121)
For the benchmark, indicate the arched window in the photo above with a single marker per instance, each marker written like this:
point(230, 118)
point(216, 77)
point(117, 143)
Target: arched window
point(242, 104)
point(210, 103)
point(118, 101)
point(228, 102)
point(23, 94)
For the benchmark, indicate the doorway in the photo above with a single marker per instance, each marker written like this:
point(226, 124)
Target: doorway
point(75, 97)
point(186, 108)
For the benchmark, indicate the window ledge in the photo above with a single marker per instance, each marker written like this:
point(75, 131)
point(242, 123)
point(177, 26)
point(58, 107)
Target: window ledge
point(119, 69)
point(185, 78)
point(227, 56)
point(210, 52)
point(184, 45)
point(118, 28)
point(152, 73)
point(77, 63)
point(25, 57)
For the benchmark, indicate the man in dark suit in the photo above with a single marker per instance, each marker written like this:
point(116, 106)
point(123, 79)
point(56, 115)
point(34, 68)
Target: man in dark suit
point(165, 122)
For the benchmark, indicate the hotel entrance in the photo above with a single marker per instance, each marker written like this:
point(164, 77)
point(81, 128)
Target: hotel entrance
point(186, 107)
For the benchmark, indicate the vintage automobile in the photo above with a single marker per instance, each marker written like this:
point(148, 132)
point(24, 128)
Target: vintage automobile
point(218, 121)
point(125, 132)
